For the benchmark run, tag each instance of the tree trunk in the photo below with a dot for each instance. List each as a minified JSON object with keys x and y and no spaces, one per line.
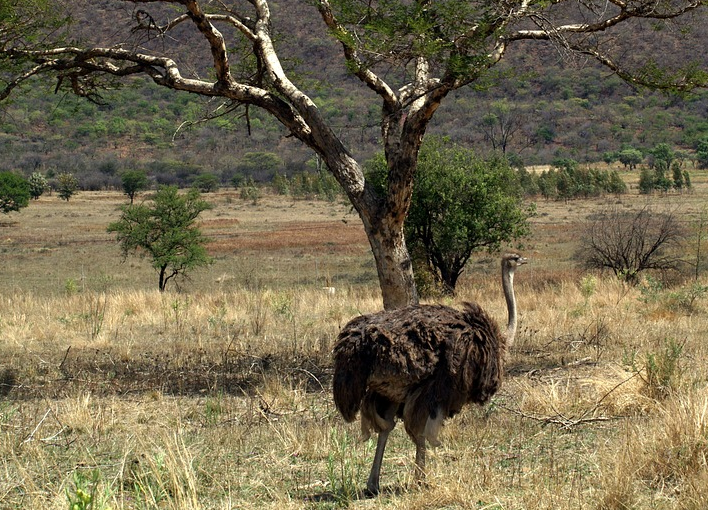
{"x":393,"y":263}
{"x":163,"y":280}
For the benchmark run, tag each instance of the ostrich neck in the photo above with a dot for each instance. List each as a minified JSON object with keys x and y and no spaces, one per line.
{"x":508,"y":286}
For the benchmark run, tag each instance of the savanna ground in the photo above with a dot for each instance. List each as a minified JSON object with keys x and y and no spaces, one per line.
{"x":216,"y":395}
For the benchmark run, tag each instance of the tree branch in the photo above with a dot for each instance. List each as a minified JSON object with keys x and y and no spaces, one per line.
{"x":360,"y":70}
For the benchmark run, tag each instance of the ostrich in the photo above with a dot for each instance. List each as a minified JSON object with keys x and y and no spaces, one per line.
{"x":420,"y":364}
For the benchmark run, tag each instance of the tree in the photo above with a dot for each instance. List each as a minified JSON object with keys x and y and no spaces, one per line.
{"x":647,"y":181}
{"x":38,"y":185}
{"x":629,"y":242}
{"x":206,"y":182}
{"x":165,"y":231}
{"x":14,"y":192}
{"x":67,"y":184}
{"x":461,"y":204}
{"x":134,"y":181}
{"x":630,"y":157}
{"x":411,"y":54}
{"x":501,"y":124}
{"x":702,"y":153}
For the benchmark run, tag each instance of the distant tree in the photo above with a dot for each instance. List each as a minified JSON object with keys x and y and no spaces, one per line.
{"x":281,"y":184}
{"x":629,"y":242}
{"x":14,"y":192}
{"x":501,"y":123}
{"x":206,"y":182}
{"x":38,"y":185}
{"x":677,"y":175}
{"x":165,"y":231}
{"x":647,"y":180}
{"x":67,"y":185}
{"x":662,"y":156}
{"x":609,"y":157}
{"x":630,"y":157}
{"x":260,"y":164}
{"x":702,"y":153}
{"x":687,"y":180}
{"x":461,"y":204}
{"x":134,"y":181}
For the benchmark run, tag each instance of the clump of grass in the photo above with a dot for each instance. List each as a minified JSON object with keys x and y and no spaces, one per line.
{"x":87,"y":492}
{"x":344,"y":471}
{"x":663,"y":370}
{"x":163,"y":476}
{"x":661,"y":459}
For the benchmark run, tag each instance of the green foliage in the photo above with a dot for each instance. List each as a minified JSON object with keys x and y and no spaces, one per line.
{"x":248,"y":190}
{"x":165,"y":231}
{"x":663,"y":370}
{"x":38,"y":185}
{"x":461,"y":204}
{"x":630,"y":157}
{"x":206,"y":182}
{"x":260,"y":163}
{"x":568,"y":180}
{"x":133,"y":181}
{"x":85,"y":495}
{"x":344,"y":470}
{"x":646,"y":181}
{"x":702,"y":153}
{"x":656,"y":176}
{"x":281,"y":184}
{"x":14,"y":192}
{"x":67,"y":185}
{"x":314,"y":185}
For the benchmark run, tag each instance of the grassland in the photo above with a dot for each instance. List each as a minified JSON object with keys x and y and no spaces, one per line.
{"x":216,"y":395}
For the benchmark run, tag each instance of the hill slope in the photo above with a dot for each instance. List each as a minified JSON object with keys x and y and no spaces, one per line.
{"x":558,"y":106}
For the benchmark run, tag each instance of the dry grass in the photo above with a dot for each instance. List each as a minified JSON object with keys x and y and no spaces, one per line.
{"x":217,"y":397}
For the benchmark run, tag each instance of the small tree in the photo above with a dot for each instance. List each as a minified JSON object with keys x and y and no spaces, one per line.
{"x":134,"y":181}
{"x":206,"y":182}
{"x":631,"y":242}
{"x":630,"y":157}
{"x":702,"y":153}
{"x":67,"y":184}
{"x":461,"y":204}
{"x":165,"y":231}
{"x":677,"y":174}
{"x":14,"y":192}
{"x":38,"y":185}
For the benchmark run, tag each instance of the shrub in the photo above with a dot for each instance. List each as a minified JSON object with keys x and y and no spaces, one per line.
{"x":629,"y":242}
{"x":67,"y":185}
{"x":38,"y":185}
{"x":14,"y":192}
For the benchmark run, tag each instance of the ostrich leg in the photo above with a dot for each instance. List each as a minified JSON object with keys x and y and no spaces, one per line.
{"x":420,"y":459}
{"x":372,"y":485}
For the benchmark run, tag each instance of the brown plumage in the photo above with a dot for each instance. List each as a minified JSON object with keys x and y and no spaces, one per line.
{"x":420,"y":364}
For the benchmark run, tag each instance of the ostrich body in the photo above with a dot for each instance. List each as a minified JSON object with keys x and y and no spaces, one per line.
{"x":420,"y":364}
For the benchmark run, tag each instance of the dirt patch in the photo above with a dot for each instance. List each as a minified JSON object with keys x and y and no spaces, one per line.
{"x":331,"y":236}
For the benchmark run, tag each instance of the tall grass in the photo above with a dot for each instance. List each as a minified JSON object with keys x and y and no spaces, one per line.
{"x":218,"y":397}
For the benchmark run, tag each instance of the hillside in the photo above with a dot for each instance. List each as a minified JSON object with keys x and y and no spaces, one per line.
{"x":560,"y":107}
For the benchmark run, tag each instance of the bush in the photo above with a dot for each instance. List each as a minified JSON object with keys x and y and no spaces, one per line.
{"x":38,"y":185}
{"x":67,"y":185}
{"x":630,"y":243}
{"x":206,"y":183}
{"x":568,"y":181}
{"x":14,"y":192}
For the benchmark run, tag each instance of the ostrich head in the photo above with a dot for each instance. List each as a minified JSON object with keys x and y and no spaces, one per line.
{"x":510,"y":262}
